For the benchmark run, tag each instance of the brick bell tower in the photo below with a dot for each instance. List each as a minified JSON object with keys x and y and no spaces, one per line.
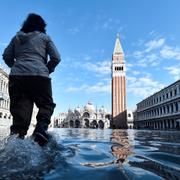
{"x":119,"y":119}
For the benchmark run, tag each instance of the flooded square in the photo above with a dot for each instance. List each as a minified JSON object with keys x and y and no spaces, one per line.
{"x":92,"y":154}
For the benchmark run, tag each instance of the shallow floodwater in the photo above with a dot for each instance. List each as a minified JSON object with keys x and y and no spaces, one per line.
{"x":93,"y":154}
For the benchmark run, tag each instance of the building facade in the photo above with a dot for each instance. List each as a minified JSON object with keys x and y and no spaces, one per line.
{"x":130,"y":119}
{"x":161,"y":110}
{"x":5,"y":116}
{"x":86,"y":117}
{"x":119,"y":113}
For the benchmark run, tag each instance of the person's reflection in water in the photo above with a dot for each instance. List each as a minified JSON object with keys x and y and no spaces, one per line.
{"x":121,"y":147}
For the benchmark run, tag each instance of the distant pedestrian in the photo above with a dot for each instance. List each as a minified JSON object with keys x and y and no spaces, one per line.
{"x":29,"y":81}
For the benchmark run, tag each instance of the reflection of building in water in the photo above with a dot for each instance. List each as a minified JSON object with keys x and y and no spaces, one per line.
{"x":121,"y":147}
{"x":161,"y":110}
{"x":87,"y":117}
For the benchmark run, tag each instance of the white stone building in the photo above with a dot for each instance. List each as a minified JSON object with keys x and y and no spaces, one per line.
{"x":130,"y":119}
{"x":161,"y":110}
{"x":5,"y":116}
{"x":86,"y":117}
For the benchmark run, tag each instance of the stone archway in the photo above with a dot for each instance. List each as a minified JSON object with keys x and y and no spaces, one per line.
{"x":108,"y":116}
{"x":86,"y":115}
{"x":94,"y":124}
{"x":86,"y":123}
{"x":71,"y":123}
{"x":56,"y":123}
{"x":77,"y":123}
{"x":101,"y":124}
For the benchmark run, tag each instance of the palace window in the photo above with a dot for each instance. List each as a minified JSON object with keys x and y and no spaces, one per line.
{"x":170,"y":93}
{"x":175,"y":92}
{"x":176,"y":106}
{"x":172,"y":109}
{"x":166,"y":95}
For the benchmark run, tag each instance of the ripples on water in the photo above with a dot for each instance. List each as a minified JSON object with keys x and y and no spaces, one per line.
{"x":92,"y":154}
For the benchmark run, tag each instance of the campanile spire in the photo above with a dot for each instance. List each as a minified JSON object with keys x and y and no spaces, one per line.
{"x":118,"y":48}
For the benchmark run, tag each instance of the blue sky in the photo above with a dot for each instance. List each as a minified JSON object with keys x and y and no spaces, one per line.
{"x":85,"y":33}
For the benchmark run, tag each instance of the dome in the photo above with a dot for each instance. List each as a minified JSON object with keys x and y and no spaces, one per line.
{"x":70,"y":111}
{"x":89,"y":107}
{"x":103,"y":109}
{"x":78,"y":109}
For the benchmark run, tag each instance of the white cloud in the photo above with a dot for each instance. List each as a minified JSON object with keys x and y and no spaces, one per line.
{"x":134,"y":72}
{"x":102,"y":67}
{"x":170,"y":52}
{"x":109,"y":24}
{"x":97,"y":88}
{"x":149,"y":60}
{"x":103,"y":22}
{"x":174,"y":70}
{"x":143,"y":86}
{"x":148,"y":57}
{"x":138,"y":54}
{"x":3,"y":44}
{"x":74,"y":30}
{"x":154,"y":44}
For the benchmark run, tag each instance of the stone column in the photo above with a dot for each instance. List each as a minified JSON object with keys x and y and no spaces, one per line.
{"x":171,"y":125}
{"x":165,"y":109}
{"x":170,"y":109}
{"x":163,"y":125}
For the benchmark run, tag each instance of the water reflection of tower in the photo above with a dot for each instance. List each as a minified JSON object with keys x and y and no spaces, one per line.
{"x":121,"y":147}
{"x":118,"y":87}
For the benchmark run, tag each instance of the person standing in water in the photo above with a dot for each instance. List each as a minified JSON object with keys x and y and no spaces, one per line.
{"x":29,"y":82}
